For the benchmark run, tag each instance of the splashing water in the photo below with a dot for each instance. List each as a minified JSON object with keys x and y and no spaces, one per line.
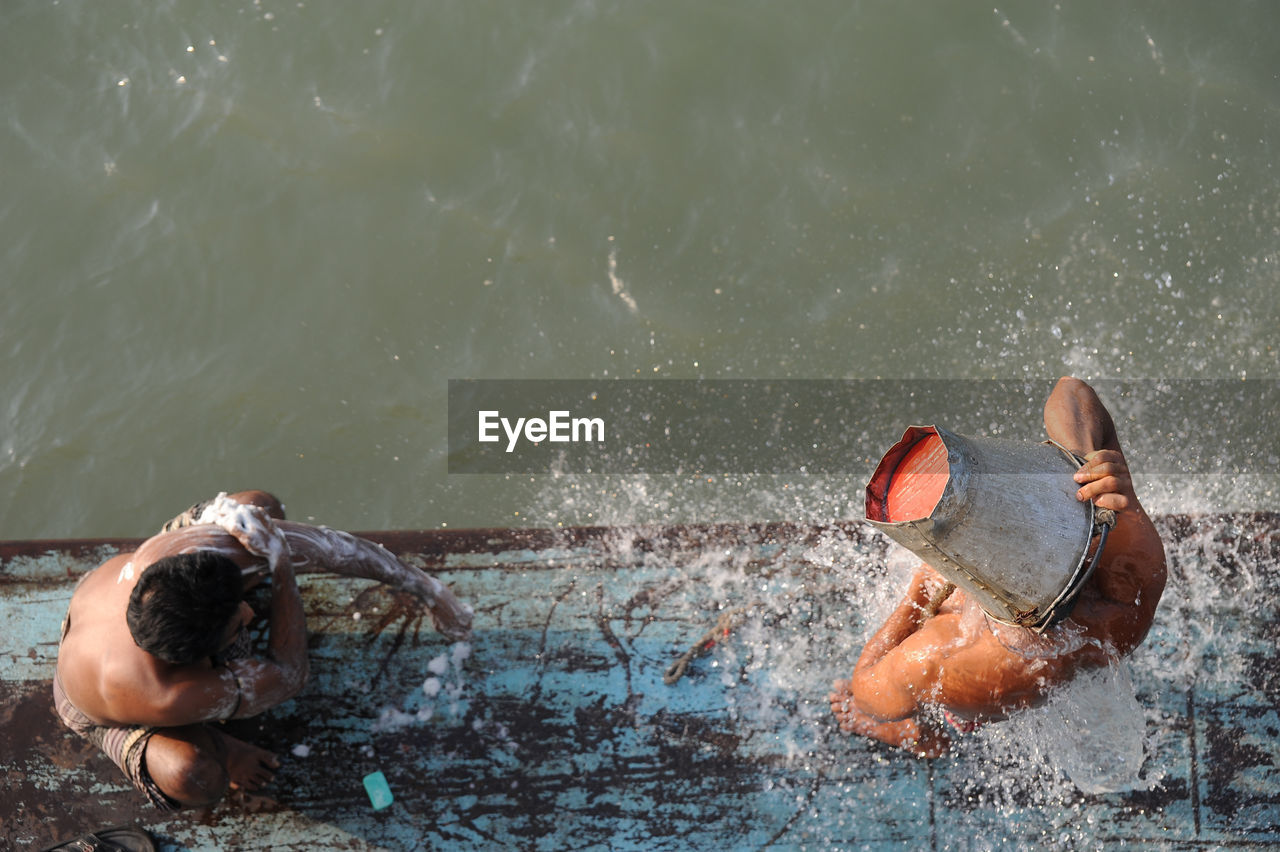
{"x":1101,"y":724}
{"x":856,"y":585}
{"x":808,"y":608}
{"x":1090,"y":731}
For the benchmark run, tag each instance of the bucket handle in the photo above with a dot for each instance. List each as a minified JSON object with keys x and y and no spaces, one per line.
{"x":1102,"y":520}
{"x":1105,"y":518}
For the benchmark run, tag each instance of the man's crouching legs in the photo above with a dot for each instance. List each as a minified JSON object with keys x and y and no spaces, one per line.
{"x":196,"y":764}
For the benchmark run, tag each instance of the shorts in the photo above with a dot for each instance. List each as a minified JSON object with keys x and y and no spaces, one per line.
{"x":126,"y":746}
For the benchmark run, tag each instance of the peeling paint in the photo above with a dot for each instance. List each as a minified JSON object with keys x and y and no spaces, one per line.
{"x":558,"y":732}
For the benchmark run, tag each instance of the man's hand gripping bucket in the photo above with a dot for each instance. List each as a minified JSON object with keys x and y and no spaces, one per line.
{"x":998,"y":518}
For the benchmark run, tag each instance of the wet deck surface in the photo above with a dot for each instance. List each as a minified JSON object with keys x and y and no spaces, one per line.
{"x":554,"y":730}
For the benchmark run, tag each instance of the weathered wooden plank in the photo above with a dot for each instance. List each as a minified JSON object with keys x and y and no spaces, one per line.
{"x":553,"y":729}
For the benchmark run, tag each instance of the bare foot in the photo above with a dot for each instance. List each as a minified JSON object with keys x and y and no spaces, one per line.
{"x":842,"y":705}
{"x":251,"y":803}
{"x":249,"y":767}
{"x":922,"y":740}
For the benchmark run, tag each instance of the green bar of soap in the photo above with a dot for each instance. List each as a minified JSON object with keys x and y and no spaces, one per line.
{"x":375,"y":784}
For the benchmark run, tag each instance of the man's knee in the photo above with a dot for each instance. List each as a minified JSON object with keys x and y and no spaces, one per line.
{"x":189,"y":769}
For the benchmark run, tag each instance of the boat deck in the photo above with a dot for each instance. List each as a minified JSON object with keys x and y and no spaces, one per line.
{"x":553,"y":728}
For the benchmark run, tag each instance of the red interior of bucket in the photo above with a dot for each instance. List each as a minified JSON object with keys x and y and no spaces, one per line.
{"x":918,"y":481}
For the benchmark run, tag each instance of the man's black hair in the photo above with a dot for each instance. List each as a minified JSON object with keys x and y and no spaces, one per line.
{"x":181,"y":606}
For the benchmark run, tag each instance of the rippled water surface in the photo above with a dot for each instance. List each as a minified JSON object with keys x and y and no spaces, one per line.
{"x":249,"y":244}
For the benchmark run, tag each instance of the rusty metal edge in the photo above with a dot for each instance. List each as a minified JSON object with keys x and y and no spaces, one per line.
{"x":438,"y":543}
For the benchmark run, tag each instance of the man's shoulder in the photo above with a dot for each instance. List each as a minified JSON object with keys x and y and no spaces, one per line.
{"x":200,"y":537}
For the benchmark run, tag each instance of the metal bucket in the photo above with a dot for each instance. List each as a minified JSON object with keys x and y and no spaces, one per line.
{"x":1004,"y":523}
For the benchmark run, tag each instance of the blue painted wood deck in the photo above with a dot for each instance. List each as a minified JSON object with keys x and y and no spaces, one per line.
{"x":553,"y":729}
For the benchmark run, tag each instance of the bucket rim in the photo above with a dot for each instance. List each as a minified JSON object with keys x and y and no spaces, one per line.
{"x":1041,"y":616}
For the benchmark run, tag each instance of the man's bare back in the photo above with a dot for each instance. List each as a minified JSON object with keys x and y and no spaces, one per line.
{"x":954,"y":658}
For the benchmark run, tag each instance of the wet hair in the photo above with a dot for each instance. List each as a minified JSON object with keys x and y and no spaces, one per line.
{"x":181,"y":606}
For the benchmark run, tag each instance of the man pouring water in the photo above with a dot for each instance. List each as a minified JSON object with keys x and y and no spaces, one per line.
{"x":1049,"y":574}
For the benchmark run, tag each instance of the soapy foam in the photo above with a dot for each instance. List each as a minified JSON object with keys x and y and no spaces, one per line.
{"x":250,"y":525}
{"x":442,"y":696}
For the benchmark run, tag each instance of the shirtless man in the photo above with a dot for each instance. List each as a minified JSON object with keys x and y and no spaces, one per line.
{"x":959,"y":661}
{"x":154,"y":650}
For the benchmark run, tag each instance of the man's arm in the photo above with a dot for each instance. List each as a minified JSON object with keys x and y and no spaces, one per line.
{"x":317,"y":549}
{"x":1075,"y":418}
{"x":1132,"y":574}
{"x":920,"y":737}
{"x":265,"y":683}
{"x":882,"y":686}
{"x":249,"y":686}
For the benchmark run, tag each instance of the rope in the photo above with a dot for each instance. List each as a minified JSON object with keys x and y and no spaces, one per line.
{"x":931,"y":608}
{"x":725,"y":624}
